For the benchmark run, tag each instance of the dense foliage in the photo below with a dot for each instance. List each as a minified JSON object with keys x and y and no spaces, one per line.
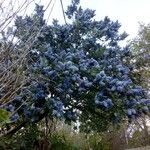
{"x":140,"y":46}
{"x":62,"y":139}
{"x":75,"y":71}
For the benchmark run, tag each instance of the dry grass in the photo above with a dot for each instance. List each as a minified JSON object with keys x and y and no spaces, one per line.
{"x":140,"y":148}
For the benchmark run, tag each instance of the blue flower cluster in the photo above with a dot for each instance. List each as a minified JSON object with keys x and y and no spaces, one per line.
{"x":15,"y":116}
{"x":57,"y":107}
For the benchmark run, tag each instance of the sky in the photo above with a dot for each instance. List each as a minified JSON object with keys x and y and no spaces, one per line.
{"x":128,"y":12}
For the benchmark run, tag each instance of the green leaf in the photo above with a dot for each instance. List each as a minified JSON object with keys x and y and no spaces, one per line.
{"x":94,"y":71}
{"x":4,"y":116}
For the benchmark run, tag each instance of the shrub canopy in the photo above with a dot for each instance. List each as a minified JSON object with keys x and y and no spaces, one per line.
{"x":75,"y":71}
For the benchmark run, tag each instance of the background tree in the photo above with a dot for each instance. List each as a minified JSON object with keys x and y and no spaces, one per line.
{"x":140,"y":47}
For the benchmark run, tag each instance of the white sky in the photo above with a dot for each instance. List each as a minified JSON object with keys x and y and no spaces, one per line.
{"x":127,"y":12}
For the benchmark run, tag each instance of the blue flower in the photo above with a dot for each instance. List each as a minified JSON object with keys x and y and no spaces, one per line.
{"x":14,"y":117}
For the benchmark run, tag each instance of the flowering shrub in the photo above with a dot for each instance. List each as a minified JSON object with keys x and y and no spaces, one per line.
{"x":76,"y":71}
